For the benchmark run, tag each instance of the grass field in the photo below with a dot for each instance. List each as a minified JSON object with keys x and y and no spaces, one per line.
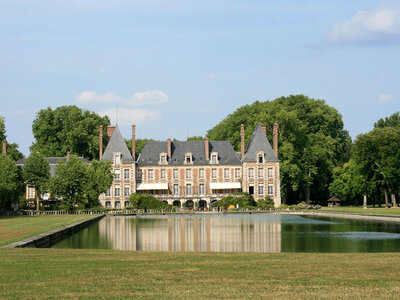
{"x":360,"y":210}
{"x":13,"y":229}
{"x":100,"y":274}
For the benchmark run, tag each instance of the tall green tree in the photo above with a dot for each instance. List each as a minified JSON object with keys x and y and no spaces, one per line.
{"x":37,"y":173}
{"x":68,"y":128}
{"x":99,"y":179}
{"x":139,"y":144}
{"x":70,"y":183}
{"x":10,"y":183}
{"x":12,"y":148}
{"x":312,"y":141}
{"x":2,"y":129}
{"x":392,"y":121}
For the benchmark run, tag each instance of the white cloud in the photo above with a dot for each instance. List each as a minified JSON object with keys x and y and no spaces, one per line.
{"x":100,"y":72}
{"x":213,"y":77}
{"x":148,"y":98}
{"x":385,"y":98}
{"x":129,"y":116}
{"x":93,"y":97}
{"x":381,"y":26}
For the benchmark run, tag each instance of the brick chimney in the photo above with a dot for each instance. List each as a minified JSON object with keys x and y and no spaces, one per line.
{"x":207,"y":148}
{"x":110,"y":130}
{"x":101,"y":142}
{"x":242,"y":140}
{"x":68,"y":155}
{"x":264,"y":128}
{"x":169,"y":151}
{"x":275,"y":138}
{"x":134,"y":141}
{"x":4,"y":147}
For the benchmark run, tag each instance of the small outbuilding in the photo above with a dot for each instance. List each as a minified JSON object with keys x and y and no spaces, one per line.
{"x":334,"y":202}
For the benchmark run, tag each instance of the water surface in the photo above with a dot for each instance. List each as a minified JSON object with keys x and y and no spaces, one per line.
{"x":237,"y":233}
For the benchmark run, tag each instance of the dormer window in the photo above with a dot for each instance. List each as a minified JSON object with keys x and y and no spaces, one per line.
{"x":260,"y":157}
{"x":117,"y":159}
{"x":188,"y":158}
{"x":163,"y":159}
{"x":214,"y":158}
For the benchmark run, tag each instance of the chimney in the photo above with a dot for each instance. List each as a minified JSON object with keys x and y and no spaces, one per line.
{"x":68,"y":155}
{"x":275,"y":138}
{"x":4,"y":147}
{"x":169,"y":148}
{"x":242,"y":140}
{"x":110,"y":130}
{"x":264,"y":128}
{"x":207,"y":148}
{"x":134,"y":141}
{"x":101,"y":142}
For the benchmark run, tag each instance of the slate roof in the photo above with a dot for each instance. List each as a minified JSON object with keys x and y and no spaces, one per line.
{"x":53,"y":162}
{"x":150,"y":155}
{"x":259,"y":142}
{"x":117,"y":144}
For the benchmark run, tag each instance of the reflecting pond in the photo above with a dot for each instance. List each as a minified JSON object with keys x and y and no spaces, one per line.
{"x":237,"y":233}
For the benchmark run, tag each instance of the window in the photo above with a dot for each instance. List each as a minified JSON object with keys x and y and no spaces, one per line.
{"x":188,"y":158}
{"x":237,"y":173}
{"x":201,"y":173}
{"x":150,"y":174}
{"x":163,"y":174}
{"x":163,"y":158}
{"x":108,"y":192}
{"x":126,"y":192}
{"x":117,"y":159}
{"x":188,"y":173}
{"x":270,"y":190}
{"x":176,"y":189}
{"x":188,"y":189}
{"x":214,"y":157}
{"x":126,"y":174}
{"x":127,"y":203}
{"x":117,"y":174}
{"x":117,"y":192}
{"x":117,"y":204}
{"x":226,"y":173}
{"x":260,"y":172}
{"x":214,"y":173}
{"x":108,"y":204}
{"x":251,"y":172}
{"x":202,"y":189}
{"x":175,"y":173}
{"x":270,"y":172}
{"x":261,"y":190}
{"x":31,"y":193}
{"x":260,"y":158}
{"x":140,"y":174}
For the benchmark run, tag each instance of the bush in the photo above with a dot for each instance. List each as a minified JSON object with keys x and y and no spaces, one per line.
{"x":267,"y":202}
{"x":241,"y":198}
{"x":284,"y":206}
{"x":147,"y":201}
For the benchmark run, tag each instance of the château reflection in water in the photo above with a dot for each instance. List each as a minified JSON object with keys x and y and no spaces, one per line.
{"x":191,"y":233}
{"x":236,"y":233}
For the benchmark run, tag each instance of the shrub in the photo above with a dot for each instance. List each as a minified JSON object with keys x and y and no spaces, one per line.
{"x":241,"y":198}
{"x":147,"y":201}
{"x":267,"y":202}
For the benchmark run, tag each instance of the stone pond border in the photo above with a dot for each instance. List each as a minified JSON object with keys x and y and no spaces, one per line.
{"x":47,"y":239}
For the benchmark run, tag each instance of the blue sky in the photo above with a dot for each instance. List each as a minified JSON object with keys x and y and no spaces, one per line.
{"x":179,"y":67}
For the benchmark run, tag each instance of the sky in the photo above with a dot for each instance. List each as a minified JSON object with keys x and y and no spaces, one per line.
{"x":177,"y":68}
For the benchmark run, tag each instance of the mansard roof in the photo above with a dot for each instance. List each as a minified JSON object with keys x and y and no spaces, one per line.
{"x":115,"y":145}
{"x":259,"y":142}
{"x":150,"y":155}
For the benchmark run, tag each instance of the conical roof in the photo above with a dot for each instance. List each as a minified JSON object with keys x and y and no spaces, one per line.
{"x":259,"y":142}
{"x":117,"y":145}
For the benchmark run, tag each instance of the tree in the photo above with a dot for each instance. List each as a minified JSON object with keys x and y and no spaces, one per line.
{"x":99,"y":179}
{"x":70,"y":183}
{"x":195,"y":138}
{"x":37,"y":173}
{"x":10,"y":183}
{"x":68,"y":128}
{"x":377,"y":153}
{"x":392,"y":121}
{"x":12,"y":148}
{"x":139,"y":144}
{"x":2,"y":129}
{"x":312,"y":142}
{"x":147,"y":201}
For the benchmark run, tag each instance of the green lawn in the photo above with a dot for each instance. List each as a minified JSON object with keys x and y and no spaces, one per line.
{"x":360,"y":210}
{"x":105,"y":274}
{"x":13,"y":229}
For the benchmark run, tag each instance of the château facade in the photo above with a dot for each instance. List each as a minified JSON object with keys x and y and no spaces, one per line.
{"x":192,"y":173}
